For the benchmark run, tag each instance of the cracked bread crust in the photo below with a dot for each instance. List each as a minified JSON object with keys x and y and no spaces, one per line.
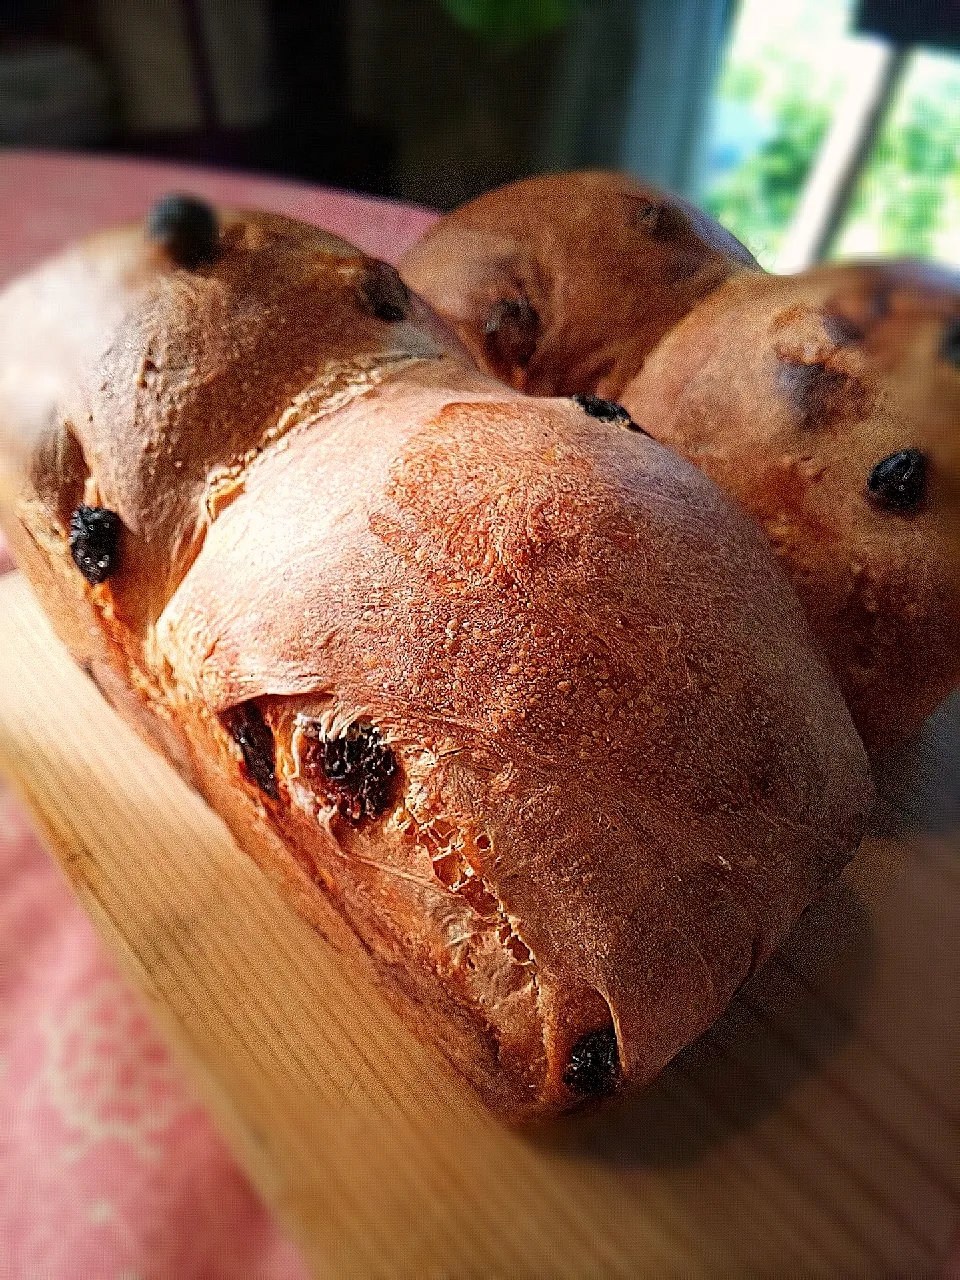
{"x":613,"y":767}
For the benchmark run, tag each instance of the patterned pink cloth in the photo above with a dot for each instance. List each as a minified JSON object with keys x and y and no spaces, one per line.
{"x":108,"y":1168}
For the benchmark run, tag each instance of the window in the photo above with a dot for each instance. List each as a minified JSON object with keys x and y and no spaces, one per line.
{"x":796,"y":87}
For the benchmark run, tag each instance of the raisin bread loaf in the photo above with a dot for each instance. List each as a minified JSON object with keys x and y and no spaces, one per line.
{"x":515,"y":687}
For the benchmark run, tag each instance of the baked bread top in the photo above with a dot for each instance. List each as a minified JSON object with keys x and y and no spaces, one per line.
{"x":828,"y":404}
{"x":565,"y":283}
{"x":514,"y":687}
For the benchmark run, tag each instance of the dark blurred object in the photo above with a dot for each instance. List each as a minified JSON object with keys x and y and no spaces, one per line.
{"x":475,"y":99}
{"x":53,"y":88}
{"x":258,"y":84}
{"x":316,"y":134}
{"x":52,"y":95}
{"x":927,"y":22}
{"x":510,"y":22}
{"x":193,"y":77}
{"x":465,"y":112}
{"x":22,"y":16}
{"x":433,"y":101}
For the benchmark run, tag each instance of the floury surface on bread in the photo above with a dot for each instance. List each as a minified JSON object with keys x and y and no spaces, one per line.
{"x":827,"y":403}
{"x":514,"y":687}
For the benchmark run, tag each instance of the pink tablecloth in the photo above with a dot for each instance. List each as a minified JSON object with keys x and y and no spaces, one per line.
{"x":108,"y":1168}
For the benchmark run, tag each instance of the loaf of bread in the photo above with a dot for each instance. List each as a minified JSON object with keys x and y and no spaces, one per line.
{"x":565,"y":283}
{"x":514,"y":687}
{"x":827,"y":403}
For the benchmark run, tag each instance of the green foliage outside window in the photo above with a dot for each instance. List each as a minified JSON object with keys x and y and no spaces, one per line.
{"x":908,"y":201}
{"x":509,"y":22}
{"x":788,"y":64}
{"x":758,"y":199}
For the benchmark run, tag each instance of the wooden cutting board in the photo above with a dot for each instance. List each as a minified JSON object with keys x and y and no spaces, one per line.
{"x":815,"y":1131}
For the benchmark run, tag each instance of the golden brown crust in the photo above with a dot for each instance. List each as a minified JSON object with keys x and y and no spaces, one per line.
{"x":788,"y":391}
{"x":133,"y":339}
{"x":564,"y":283}
{"x":612,"y":767}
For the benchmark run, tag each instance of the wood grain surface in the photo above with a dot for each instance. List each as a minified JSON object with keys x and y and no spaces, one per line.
{"x":814,"y":1131}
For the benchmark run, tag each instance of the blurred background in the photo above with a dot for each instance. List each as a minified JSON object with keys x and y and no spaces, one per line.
{"x":812,"y":128}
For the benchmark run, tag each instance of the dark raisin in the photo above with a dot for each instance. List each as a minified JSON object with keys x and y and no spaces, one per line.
{"x":511,"y":332}
{"x":358,"y":770}
{"x":899,"y":482}
{"x":186,"y":228}
{"x":950,"y":346}
{"x":94,"y":542}
{"x":594,"y":1067}
{"x":606,"y":411}
{"x":384,"y":293}
{"x":254,"y":737}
